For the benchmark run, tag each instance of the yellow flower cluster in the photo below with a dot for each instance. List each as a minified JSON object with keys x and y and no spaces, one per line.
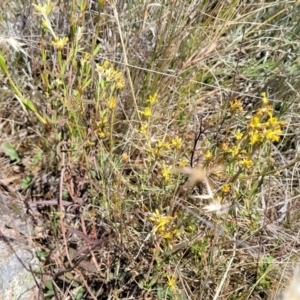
{"x":44,"y":10}
{"x":161,"y":224}
{"x":111,"y":102}
{"x":235,"y":106}
{"x":144,"y":129}
{"x":152,"y":99}
{"x":166,"y":172}
{"x":172,"y":282}
{"x":208,"y":155}
{"x":177,"y":142}
{"x":109,"y":74}
{"x":246,"y":162}
{"x":102,"y":128}
{"x":263,"y":126}
{"x":147,"y":112}
{"x":161,"y":146}
{"x":84,"y":59}
{"x":183,"y":163}
{"x":226,"y":188}
{"x":60,"y":43}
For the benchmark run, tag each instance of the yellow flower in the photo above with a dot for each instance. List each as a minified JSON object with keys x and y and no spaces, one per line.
{"x":226,"y":188}
{"x":169,"y":234}
{"x":84,"y":59}
{"x":235,"y":105}
{"x":265,"y":100}
{"x":182,"y":163}
{"x":111,"y":103}
{"x":255,"y":123}
{"x":163,"y":145}
{"x":101,"y":134}
{"x":125,"y":157}
{"x":264,"y":110}
{"x":238,"y":134}
{"x":120,"y":83}
{"x":177,"y":142}
{"x":102,"y":123}
{"x":247,"y":163}
{"x":172,"y":282}
{"x":146,"y":112}
{"x":234,"y":150}
{"x":166,"y":172}
{"x":86,"y":56}
{"x":208,"y":155}
{"x":161,"y":221}
{"x":144,"y":129}
{"x":60,"y":43}
{"x":225,"y":147}
{"x":109,"y":74}
{"x":273,"y":122}
{"x":255,"y":137}
{"x":44,"y":9}
{"x":273,"y":134}
{"x":101,"y":68}
{"x":156,"y":151}
{"x":152,"y":99}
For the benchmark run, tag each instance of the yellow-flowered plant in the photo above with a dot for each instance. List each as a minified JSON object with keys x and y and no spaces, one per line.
{"x":144,"y":128}
{"x":110,"y":75}
{"x":147,"y":111}
{"x":183,"y":163}
{"x":152,"y":99}
{"x":60,"y":43}
{"x":166,"y":172}
{"x":226,"y":188}
{"x":172,"y":282}
{"x":177,"y":143}
{"x":161,"y":222}
{"x":44,"y":10}
{"x":208,"y":155}
{"x":235,"y":105}
{"x":243,"y":149}
{"x":112,"y":102}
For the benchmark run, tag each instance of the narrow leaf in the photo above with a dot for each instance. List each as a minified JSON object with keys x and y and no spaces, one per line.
{"x":11,"y":152}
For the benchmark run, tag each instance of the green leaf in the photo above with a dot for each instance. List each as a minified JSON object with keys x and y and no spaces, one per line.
{"x":42,"y":255}
{"x":30,"y":105}
{"x":25,"y":183}
{"x":49,"y":284}
{"x":96,"y":50}
{"x":37,"y":157}
{"x":11,"y":152}
{"x":2,"y":63}
{"x":79,"y":293}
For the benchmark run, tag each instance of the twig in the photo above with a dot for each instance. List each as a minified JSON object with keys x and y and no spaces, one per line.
{"x":61,"y":206}
{"x":85,"y":284}
{"x":196,"y":140}
{"x":125,"y":58}
{"x":226,"y":272}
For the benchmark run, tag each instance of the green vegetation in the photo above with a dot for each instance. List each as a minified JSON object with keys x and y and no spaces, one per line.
{"x":156,"y":145}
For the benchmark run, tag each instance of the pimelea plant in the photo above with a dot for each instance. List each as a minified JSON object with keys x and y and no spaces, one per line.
{"x":157,"y":182}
